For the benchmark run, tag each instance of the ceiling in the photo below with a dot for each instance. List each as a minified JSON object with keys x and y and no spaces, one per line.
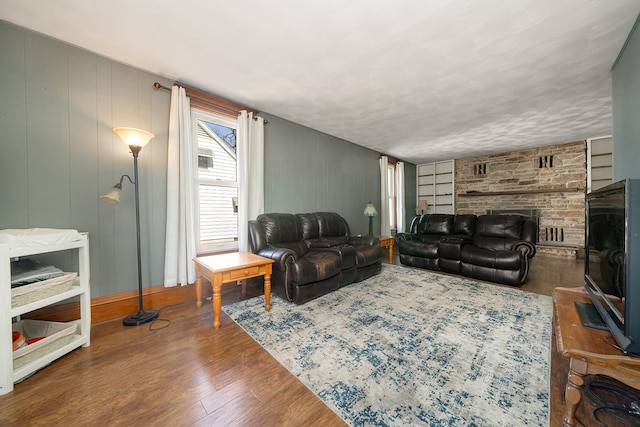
{"x":418,"y":80}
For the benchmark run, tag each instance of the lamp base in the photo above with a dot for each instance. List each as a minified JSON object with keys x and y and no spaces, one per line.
{"x":141,"y":317}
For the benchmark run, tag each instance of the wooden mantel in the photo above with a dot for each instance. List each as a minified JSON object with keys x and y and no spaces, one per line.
{"x":520,"y":192}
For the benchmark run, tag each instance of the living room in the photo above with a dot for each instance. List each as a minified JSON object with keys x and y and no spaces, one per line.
{"x":60,"y":103}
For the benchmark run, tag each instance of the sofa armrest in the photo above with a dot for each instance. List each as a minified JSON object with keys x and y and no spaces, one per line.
{"x":406,"y":236}
{"x":281,"y":256}
{"x":365,"y":240}
{"x":528,"y":249}
{"x":450,"y":248}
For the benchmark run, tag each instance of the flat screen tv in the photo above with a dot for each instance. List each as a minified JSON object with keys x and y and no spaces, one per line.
{"x":612,"y":260}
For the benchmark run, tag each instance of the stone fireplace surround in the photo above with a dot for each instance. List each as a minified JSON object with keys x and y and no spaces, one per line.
{"x":548,"y":182}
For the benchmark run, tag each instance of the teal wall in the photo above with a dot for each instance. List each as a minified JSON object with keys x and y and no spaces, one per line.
{"x":626,"y":109}
{"x":58,"y":154}
{"x":308,"y":171}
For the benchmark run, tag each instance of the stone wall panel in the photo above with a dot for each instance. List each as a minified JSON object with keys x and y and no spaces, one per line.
{"x":564,"y":166}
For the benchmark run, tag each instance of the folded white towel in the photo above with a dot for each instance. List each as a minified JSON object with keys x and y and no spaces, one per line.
{"x":30,"y":237}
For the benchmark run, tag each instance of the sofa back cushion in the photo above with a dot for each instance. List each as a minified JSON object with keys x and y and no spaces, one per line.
{"x":464,"y":225}
{"x":503,"y":226}
{"x":435,"y":224}
{"x":310,"y":226}
{"x":283,"y":231}
{"x":498,"y":232}
{"x":332,"y":224}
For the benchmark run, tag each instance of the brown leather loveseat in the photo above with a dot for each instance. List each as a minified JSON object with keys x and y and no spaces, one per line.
{"x":314,"y":253}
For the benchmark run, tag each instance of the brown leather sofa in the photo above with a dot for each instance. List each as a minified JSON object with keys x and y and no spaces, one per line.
{"x":314,"y":253}
{"x":495,"y":248}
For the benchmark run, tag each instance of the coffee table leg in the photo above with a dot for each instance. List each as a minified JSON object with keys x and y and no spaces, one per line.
{"x":391,"y":252}
{"x":216,"y":284}
{"x":267,"y":292}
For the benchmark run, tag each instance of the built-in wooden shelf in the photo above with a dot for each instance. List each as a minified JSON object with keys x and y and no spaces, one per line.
{"x":519,"y":192}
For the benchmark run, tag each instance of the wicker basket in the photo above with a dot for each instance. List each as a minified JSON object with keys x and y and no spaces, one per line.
{"x":33,"y":292}
{"x":56,"y":334}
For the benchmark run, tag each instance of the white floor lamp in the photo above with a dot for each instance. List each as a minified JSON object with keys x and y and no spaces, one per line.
{"x":135,"y":139}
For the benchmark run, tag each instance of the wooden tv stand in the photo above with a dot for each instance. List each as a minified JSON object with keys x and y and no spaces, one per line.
{"x":587,"y":351}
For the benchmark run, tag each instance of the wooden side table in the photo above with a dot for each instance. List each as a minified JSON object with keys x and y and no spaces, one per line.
{"x":587,"y":351}
{"x":387,"y":242}
{"x":231,"y":267}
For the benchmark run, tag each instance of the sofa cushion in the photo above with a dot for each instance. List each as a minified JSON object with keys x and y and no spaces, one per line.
{"x":450,"y":248}
{"x":464,"y":225}
{"x":280,"y":228}
{"x":418,"y":249}
{"x":316,"y":266}
{"x":331,"y":225}
{"x":328,"y":242}
{"x":310,"y":227}
{"x":435,"y":224}
{"x":500,"y":226}
{"x":501,"y":260}
{"x":494,"y":243}
{"x":368,"y":255}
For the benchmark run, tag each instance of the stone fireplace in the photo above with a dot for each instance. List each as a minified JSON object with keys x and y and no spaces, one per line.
{"x":547,"y":183}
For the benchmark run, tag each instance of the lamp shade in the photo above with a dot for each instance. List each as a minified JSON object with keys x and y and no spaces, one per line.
{"x":370,"y":210}
{"x":133,"y":136}
{"x":422,"y":205}
{"x":113,"y":195}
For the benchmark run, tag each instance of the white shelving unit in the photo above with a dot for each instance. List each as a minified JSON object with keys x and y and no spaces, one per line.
{"x":9,"y":375}
{"x":436,"y":186}
{"x":599,"y":163}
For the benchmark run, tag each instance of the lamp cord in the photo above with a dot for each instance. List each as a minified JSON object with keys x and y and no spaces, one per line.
{"x":167,"y":323}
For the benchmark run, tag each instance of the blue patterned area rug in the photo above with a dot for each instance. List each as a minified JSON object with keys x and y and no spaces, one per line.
{"x":410,"y":347}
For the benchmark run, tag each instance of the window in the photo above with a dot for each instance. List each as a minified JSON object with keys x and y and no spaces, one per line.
{"x":205,"y":158}
{"x":391,"y":192}
{"x":216,"y":182}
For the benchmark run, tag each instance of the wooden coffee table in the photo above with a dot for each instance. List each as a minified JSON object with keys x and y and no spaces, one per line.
{"x":387,"y":242}
{"x":231,"y":267}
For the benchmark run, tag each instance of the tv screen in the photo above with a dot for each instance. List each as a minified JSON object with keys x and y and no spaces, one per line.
{"x":612,"y":259}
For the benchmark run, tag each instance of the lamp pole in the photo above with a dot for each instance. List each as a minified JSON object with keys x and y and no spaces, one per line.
{"x":141,"y":316}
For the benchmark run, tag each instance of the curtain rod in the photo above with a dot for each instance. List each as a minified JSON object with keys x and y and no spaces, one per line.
{"x":157,"y":85}
{"x":391,"y":159}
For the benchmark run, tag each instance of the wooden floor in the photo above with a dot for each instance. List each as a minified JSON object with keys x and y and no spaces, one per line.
{"x":183,"y":373}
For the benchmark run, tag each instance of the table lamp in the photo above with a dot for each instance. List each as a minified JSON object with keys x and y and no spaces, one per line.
{"x":370,"y":211}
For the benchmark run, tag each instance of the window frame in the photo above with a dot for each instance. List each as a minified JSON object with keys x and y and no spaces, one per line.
{"x":392,"y":198}
{"x":223,"y":120}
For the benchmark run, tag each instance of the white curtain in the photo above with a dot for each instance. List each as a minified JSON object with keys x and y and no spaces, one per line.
{"x":250,"y":141}
{"x":385,"y":228}
{"x":180,"y":246}
{"x":400,"y":212}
